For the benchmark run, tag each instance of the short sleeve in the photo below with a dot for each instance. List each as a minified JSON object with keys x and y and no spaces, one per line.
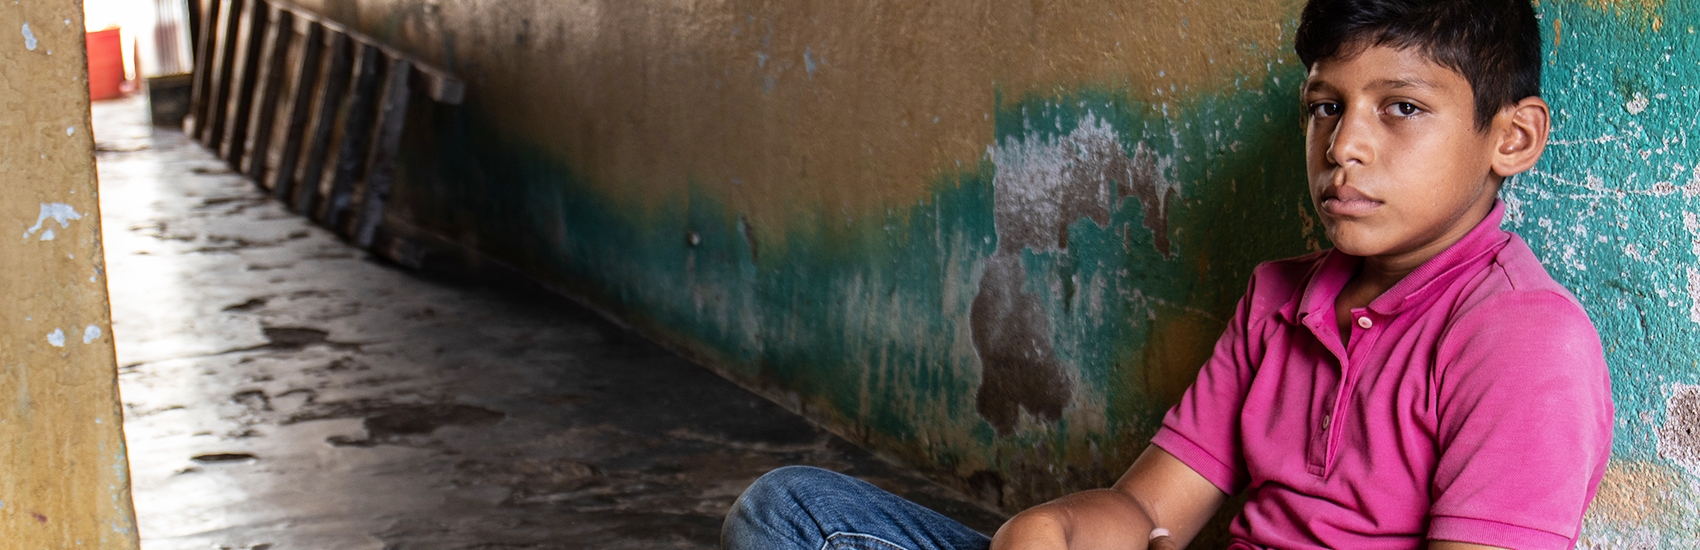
{"x":1524,"y":422}
{"x":1203,"y":429}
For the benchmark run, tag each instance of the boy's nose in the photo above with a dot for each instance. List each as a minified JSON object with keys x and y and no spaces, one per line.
{"x":1352,"y":140}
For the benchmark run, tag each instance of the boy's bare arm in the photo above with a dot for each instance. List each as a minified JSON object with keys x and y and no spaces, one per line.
{"x":1452,"y":545}
{"x":1157,"y":491}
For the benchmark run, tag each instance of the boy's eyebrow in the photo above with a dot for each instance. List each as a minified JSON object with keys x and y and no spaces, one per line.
{"x":1382,"y":84}
{"x":1403,"y":83}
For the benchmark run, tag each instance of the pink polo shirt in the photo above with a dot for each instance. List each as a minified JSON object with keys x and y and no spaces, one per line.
{"x":1470,"y":403}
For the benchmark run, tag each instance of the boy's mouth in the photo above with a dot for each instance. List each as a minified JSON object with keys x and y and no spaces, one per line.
{"x":1347,"y":202}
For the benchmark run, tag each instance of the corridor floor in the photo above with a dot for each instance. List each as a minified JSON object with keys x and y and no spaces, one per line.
{"x":283,"y":390}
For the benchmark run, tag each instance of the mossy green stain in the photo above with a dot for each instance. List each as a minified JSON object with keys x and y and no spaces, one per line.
{"x":851,"y":318}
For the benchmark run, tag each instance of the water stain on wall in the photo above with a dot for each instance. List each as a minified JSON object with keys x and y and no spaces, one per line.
{"x":1043,"y":185}
{"x":1634,"y":493}
{"x":1679,"y":438}
{"x":850,"y":140}
{"x":844,"y":107}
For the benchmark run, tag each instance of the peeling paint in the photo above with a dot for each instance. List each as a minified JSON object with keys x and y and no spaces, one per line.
{"x":56,"y":211}
{"x":1011,"y":294}
{"x":1679,"y":438}
{"x":29,"y":38}
{"x":1043,"y":184}
{"x":56,"y":338}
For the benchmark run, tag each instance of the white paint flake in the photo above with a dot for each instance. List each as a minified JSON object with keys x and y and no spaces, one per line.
{"x":57,"y":338}
{"x":1691,"y":223}
{"x":70,"y":130}
{"x":1045,"y":182}
{"x":1637,"y":104}
{"x":47,"y":235}
{"x":56,"y":211}
{"x":29,"y":38}
{"x":90,"y":334}
{"x":1694,"y":295}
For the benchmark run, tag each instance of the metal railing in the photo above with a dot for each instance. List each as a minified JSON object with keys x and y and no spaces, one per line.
{"x":308,"y":109}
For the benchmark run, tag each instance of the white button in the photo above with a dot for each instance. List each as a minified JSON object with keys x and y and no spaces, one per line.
{"x":1326,"y":420}
{"x":1365,"y":323}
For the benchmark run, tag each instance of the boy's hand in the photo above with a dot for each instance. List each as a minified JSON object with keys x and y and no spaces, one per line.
{"x":1160,"y":540}
{"x":1157,"y":490}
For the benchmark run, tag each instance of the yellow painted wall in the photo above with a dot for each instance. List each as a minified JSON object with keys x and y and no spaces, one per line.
{"x":66,"y":481}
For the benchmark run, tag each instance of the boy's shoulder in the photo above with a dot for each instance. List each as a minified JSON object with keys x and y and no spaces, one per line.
{"x":1277,"y":284}
{"x":1516,"y":282}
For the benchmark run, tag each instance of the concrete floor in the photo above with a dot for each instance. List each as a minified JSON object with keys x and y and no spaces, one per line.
{"x":283,"y":390}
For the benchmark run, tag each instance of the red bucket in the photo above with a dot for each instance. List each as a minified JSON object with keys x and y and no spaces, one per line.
{"x":106,"y":64}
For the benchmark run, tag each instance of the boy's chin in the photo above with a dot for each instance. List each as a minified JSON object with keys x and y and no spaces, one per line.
{"x":1354,"y":244}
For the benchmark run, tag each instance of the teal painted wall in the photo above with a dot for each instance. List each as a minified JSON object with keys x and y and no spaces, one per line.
{"x":1611,"y":213}
{"x":994,"y":240}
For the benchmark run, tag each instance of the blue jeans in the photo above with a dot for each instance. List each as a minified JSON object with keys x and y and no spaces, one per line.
{"x":804,"y":508}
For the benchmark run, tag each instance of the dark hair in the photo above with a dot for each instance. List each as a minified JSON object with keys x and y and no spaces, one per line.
{"x":1494,"y":44}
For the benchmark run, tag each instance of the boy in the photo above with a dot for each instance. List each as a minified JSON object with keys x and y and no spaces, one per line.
{"x":1424,"y":383}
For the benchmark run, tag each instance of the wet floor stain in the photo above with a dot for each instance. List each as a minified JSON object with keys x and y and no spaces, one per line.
{"x":293,"y":337}
{"x":424,"y":419}
{"x":330,"y":401}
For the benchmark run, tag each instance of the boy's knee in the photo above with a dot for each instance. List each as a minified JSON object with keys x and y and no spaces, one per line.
{"x":784,"y":487}
{"x":774,"y":511}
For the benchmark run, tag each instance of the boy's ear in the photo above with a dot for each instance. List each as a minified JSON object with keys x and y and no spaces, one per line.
{"x":1522,"y":131}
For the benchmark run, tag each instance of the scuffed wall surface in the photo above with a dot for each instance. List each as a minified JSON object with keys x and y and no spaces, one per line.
{"x":995,"y":239}
{"x":1611,"y":211}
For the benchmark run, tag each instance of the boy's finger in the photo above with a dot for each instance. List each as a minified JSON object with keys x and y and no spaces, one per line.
{"x":1160,"y":540}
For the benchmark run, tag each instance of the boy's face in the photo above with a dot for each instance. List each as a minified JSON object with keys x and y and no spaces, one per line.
{"x":1398,"y":169}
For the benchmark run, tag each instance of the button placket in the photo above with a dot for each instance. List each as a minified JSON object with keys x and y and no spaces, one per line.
{"x":1356,"y":350}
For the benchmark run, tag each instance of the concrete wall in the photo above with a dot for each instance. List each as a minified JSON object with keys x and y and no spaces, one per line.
{"x":64,"y":475}
{"x":995,"y":239}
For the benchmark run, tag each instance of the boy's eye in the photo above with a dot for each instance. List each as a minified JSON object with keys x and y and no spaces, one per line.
{"x":1324,"y":109}
{"x":1405,"y":109}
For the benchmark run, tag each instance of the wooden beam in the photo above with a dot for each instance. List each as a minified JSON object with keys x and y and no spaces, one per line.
{"x":356,"y":135}
{"x":306,"y":58}
{"x":224,"y":58}
{"x":436,"y":83}
{"x":255,"y":16}
{"x":274,"y":56}
{"x":392,"y":117}
{"x":201,"y":89}
{"x":333,"y":85}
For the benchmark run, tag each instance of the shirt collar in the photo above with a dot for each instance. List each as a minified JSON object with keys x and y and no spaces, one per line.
{"x":1336,"y":268}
